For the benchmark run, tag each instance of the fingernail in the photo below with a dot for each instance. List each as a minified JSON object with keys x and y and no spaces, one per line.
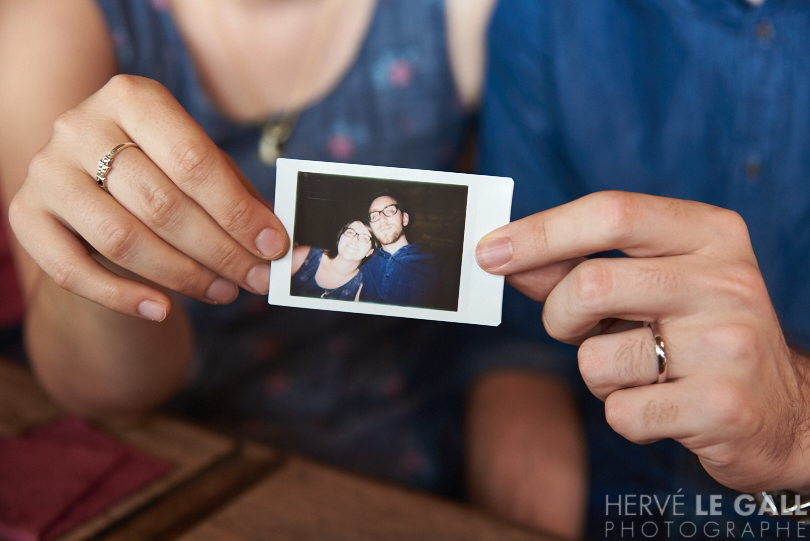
{"x":221,"y":291}
{"x":491,"y":254}
{"x":151,"y":310}
{"x":259,"y":278}
{"x":269,"y":242}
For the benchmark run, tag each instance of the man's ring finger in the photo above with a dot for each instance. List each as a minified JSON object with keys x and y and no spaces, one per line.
{"x":661,"y":354}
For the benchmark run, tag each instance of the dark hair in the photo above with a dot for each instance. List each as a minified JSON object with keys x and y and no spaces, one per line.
{"x":374,"y":242}
{"x":402,"y":203}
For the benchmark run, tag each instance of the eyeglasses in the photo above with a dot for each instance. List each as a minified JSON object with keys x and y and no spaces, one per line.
{"x":389,"y":211}
{"x":350,"y":233}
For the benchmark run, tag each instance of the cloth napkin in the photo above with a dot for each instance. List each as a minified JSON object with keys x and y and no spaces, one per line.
{"x":56,"y":477}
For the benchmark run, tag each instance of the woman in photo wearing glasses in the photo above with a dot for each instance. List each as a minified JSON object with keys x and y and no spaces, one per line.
{"x":334,"y":277}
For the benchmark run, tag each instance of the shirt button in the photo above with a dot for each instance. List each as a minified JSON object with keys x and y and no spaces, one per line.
{"x":753,"y":169}
{"x":764,"y":31}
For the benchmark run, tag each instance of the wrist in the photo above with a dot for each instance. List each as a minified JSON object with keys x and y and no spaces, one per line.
{"x":785,"y":504}
{"x":800,"y":480}
{"x":789,"y":488}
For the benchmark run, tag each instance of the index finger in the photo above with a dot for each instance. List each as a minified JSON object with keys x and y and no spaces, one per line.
{"x":185,"y":153}
{"x":639,"y":225}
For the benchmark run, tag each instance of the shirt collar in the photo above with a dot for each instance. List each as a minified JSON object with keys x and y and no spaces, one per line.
{"x":730,"y":11}
{"x":408,"y":249}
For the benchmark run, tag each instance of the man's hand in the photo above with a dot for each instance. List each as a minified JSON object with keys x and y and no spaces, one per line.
{"x":736,"y":395}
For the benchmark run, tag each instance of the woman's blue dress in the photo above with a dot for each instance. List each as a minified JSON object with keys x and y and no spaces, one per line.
{"x":303,"y":282}
{"x":380,"y":395}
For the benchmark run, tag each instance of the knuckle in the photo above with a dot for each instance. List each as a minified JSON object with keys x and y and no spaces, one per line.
{"x":162,"y":206}
{"x":194,"y":161}
{"x":618,"y":415}
{"x":591,"y":363}
{"x":592,"y":282}
{"x":40,"y":165}
{"x":126,"y":88}
{"x":622,"y":368}
{"x":659,"y":413}
{"x":729,"y":406}
{"x":732,"y":236}
{"x":21,"y":213}
{"x":661,"y":277}
{"x":117,"y":240}
{"x":736,"y":342}
{"x":112,"y":295}
{"x":549,"y":321}
{"x":226,"y":258}
{"x":618,"y":213}
{"x":186,"y":280}
{"x":629,"y":365}
{"x":69,"y":125}
{"x":17,"y":210}
{"x":65,"y":274}
{"x":125,"y":85}
{"x":744,"y":282}
{"x":555,"y":318}
{"x":733,"y":225}
{"x":238,"y":217}
{"x":537,"y":236}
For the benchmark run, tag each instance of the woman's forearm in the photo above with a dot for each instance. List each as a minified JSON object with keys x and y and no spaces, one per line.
{"x":99,"y":363}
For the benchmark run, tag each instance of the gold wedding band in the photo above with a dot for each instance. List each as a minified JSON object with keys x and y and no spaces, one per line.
{"x":661,"y":354}
{"x":105,"y":164}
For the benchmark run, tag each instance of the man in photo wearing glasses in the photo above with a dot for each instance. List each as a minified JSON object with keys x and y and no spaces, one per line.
{"x":399,"y":272}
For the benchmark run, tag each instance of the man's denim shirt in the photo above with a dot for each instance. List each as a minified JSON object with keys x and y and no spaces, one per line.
{"x":705,"y":100}
{"x":409,"y":277}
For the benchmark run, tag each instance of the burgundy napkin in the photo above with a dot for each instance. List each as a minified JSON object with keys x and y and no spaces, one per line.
{"x":36,"y":487}
{"x":58,"y":476}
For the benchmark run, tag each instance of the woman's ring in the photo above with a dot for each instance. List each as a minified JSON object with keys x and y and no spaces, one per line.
{"x":661,"y":354}
{"x":106,"y":163}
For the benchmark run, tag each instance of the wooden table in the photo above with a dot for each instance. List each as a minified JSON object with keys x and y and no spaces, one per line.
{"x":224,"y":489}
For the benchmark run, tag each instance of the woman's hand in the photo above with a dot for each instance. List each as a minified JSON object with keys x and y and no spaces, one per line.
{"x":178,"y":214}
{"x":736,"y":395}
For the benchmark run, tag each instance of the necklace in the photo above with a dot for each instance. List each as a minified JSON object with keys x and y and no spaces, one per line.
{"x":332,"y":275}
{"x":274,"y":136}
{"x":277,"y":129}
{"x":276,"y":133}
{"x":326,"y":292}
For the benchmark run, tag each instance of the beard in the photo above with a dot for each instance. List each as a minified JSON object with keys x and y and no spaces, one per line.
{"x":389,"y":235}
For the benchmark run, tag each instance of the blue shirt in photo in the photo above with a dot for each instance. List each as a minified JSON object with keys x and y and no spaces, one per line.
{"x":409,"y":277}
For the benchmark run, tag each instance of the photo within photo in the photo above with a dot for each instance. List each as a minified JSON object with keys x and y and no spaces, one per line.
{"x":380,"y":241}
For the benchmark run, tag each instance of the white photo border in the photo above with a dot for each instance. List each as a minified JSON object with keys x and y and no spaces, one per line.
{"x":489,"y":201}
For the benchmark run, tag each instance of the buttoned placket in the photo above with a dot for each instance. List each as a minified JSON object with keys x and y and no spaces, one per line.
{"x":761,"y":72}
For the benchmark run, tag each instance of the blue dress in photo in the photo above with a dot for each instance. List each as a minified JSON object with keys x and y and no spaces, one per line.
{"x":303,"y":282}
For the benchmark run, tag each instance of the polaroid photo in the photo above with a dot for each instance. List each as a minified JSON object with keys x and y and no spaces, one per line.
{"x":388,"y":241}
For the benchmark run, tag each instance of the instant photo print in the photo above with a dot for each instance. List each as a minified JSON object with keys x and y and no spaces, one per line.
{"x":388,"y":241}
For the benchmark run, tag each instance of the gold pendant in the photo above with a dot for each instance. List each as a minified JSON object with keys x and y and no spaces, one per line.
{"x":274,"y":136}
